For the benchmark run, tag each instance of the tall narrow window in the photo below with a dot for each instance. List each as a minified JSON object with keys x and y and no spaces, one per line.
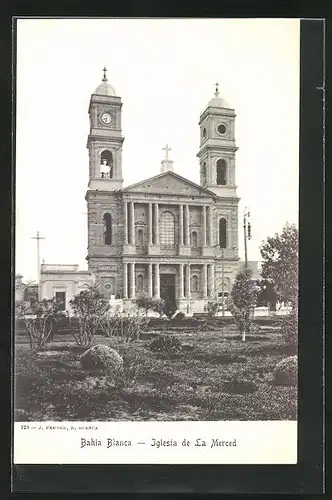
{"x":107,"y":219}
{"x":221,"y":172}
{"x":106,"y":164}
{"x":140,"y":282}
{"x":193,"y":242}
{"x":194,"y":283}
{"x":140,"y":237}
{"x":222,"y":233}
{"x":167,"y":229}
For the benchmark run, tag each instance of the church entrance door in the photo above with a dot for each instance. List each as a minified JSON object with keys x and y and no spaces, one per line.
{"x":167,"y":292}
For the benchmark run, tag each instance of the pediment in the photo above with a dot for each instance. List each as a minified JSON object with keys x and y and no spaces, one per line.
{"x":169,"y":183}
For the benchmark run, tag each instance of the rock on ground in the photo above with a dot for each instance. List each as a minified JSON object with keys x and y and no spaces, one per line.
{"x":101,"y":358}
{"x":285,"y":372}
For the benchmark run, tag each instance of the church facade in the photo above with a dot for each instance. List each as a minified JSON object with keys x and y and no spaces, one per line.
{"x":165,"y":236}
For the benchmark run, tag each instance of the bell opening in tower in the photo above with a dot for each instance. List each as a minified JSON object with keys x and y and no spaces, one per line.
{"x":106,"y":164}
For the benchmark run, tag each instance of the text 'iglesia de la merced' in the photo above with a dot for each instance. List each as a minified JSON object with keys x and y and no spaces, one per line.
{"x":165,"y":236}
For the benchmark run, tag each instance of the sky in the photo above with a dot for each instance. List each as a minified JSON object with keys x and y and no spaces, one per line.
{"x":165,"y":71}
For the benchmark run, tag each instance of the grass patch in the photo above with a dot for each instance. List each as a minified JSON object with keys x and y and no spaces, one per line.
{"x":218,"y":378}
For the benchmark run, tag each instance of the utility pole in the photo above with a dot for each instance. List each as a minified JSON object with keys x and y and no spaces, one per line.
{"x":38,"y":238}
{"x":247,"y":235}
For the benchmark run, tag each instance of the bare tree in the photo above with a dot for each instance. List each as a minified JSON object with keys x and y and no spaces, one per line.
{"x":88,"y":307}
{"x":40,"y":323}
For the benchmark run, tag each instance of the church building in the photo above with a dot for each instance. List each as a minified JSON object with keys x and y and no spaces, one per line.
{"x":165,"y":236}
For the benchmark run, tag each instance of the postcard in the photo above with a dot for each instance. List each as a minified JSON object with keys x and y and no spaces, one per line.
{"x":156,"y":273}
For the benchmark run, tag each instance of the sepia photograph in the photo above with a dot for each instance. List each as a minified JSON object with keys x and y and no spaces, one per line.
{"x":156,"y":259}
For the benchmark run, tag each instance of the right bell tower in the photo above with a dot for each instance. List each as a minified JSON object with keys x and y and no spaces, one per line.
{"x":217,"y":147}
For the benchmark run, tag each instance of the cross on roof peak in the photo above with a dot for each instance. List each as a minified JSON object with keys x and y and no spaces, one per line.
{"x":166,"y":149}
{"x":104,"y":74}
{"x":217,"y":90}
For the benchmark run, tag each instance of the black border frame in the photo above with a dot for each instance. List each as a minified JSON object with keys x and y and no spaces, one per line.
{"x":305,"y":477}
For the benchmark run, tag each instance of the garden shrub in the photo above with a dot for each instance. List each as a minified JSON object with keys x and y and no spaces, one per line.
{"x":211,"y":307}
{"x":147,"y":303}
{"x":134,"y":366}
{"x":165,"y":344}
{"x":126,"y":328}
{"x":101,"y":358}
{"x":285,"y":372}
{"x":289,"y":327}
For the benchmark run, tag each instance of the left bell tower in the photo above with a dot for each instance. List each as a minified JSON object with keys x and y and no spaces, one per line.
{"x":105,"y":139}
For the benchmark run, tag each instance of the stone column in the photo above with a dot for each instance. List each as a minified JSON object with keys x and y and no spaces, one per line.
{"x":187,"y":242}
{"x":188,"y":281}
{"x":150,"y":293}
{"x":156,"y":223}
{"x":132,"y":280}
{"x":204,"y":225}
{"x":150,"y":226}
{"x":132,"y":220}
{"x":125,"y":223}
{"x":181,"y":273}
{"x":181,"y":225}
{"x":125,"y":281}
{"x":210,"y":227}
{"x":157,"y":281}
{"x":209,"y":169}
{"x":205,"y":281}
{"x":212,"y":287}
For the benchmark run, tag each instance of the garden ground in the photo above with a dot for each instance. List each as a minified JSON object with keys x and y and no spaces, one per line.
{"x":214,"y":376}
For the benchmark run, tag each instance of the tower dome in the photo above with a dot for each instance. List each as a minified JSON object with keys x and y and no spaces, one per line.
{"x":105,"y":88}
{"x":217,"y":101}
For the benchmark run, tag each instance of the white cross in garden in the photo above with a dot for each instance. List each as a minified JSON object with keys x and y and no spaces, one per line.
{"x":166,"y":149}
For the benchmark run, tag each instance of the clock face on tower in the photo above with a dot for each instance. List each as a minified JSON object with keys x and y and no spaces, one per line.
{"x":106,"y":118}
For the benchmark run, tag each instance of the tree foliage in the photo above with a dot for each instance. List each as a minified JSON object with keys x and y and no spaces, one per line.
{"x":280,"y":262}
{"x":88,"y":307}
{"x":267,"y":294}
{"x":40,"y":319}
{"x":243,"y":298}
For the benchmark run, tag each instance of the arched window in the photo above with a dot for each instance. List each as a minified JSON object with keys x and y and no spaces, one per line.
{"x":221,"y":172}
{"x":222,"y":233}
{"x":204,"y":173}
{"x":107,"y":219}
{"x":167,"y":229}
{"x":140,"y":237}
{"x":193,"y":242}
{"x":140,"y":282}
{"x":194,"y":283}
{"x":106,"y":164}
